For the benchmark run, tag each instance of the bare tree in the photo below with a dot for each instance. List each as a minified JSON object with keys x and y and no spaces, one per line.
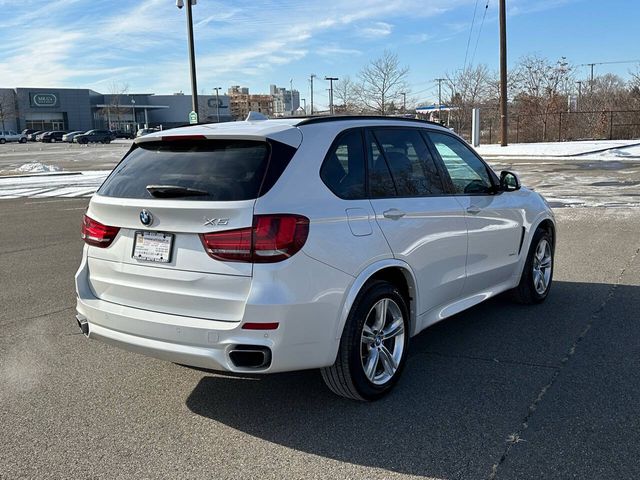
{"x":542,"y":88}
{"x":345,"y":92}
{"x":7,"y":107}
{"x":468,"y":89}
{"x":381,"y":81}
{"x":115,"y":107}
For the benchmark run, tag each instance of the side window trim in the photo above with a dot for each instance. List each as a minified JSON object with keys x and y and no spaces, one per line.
{"x":371,"y":134}
{"x":492,"y":176}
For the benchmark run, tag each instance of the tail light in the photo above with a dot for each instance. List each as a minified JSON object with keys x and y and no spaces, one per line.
{"x":272,"y":238}
{"x":96,"y":234}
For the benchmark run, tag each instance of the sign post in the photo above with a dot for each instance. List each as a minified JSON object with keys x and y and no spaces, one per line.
{"x":193,"y":118}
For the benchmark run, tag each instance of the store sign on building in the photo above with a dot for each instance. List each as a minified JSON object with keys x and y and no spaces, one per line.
{"x":43,"y":99}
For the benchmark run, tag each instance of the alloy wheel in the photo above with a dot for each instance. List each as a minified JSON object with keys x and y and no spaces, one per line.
{"x":382,"y":341}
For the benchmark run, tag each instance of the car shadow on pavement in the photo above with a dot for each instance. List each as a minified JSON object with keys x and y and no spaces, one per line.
{"x":467,"y":387}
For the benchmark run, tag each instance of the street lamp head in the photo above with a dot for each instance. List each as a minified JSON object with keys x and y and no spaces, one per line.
{"x":179,"y":3}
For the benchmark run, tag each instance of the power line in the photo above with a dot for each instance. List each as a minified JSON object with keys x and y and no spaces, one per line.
{"x":473,"y":21}
{"x":484,"y":15}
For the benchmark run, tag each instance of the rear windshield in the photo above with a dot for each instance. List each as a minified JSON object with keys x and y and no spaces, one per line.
{"x":212,"y":170}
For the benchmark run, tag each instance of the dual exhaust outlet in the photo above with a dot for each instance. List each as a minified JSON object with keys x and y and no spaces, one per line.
{"x":243,"y":356}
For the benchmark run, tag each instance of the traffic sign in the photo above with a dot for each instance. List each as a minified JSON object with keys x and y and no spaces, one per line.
{"x":193,"y":117}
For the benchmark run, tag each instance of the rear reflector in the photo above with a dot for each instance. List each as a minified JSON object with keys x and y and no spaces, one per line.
{"x":261,"y":326}
{"x":272,"y":238}
{"x":96,"y":234}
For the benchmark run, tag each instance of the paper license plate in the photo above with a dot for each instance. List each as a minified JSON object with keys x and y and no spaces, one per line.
{"x":153,"y":247}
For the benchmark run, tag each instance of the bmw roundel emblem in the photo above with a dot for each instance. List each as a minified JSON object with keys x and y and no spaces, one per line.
{"x":146,"y":218}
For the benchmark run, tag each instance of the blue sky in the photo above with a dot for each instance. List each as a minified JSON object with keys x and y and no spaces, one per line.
{"x":94,"y":43}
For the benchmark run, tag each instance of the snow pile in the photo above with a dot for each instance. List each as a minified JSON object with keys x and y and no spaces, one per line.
{"x":37,"y":167}
{"x":559,"y":149}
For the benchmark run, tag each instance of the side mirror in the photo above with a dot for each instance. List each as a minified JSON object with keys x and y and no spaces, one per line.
{"x":509,"y":181}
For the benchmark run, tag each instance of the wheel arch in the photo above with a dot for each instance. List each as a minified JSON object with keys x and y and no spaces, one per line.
{"x":543,"y":221}
{"x":395,"y":271}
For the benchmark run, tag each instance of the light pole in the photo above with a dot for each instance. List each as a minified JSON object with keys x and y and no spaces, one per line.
{"x":404,"y":102}
{"x":192,"y":53}
{"x":133,"y":108}
{"x":304,"y":103}
{"x":331,"y":79}
{"x":217,"y":103}
{"x":312,"y":77}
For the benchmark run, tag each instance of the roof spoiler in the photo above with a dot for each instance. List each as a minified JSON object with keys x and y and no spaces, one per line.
{"x":253,"y":116}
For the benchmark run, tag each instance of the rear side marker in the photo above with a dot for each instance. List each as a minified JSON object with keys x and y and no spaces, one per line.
{"x":261,"y":326}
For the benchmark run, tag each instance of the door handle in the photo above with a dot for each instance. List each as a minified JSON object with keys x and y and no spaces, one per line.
{"x":393,"y":214}
{"x":473,"y":210}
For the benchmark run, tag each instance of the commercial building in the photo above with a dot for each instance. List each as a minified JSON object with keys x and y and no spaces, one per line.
{"x":241,"y":102}
{"x":84,"y":109}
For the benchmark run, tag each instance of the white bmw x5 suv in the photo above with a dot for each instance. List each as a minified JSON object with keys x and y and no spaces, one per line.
{"x":278,"y":245}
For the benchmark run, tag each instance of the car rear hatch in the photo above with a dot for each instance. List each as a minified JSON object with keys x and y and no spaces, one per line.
{"x":158,"y":202}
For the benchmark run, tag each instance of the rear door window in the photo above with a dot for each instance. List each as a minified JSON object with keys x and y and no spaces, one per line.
{"x":207,"y":170}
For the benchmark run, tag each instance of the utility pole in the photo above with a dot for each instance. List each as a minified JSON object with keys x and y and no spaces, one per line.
{"x":440,"y":80}
{"x":291,"y":96}
{"x":312,"y":77}
{"x":579,"y":82}
{"x":404,"y":102}
{"x":591,"y":65}
{"x":217,"y":103}
{"x":504,"y":133}
{"x":331,"y":79}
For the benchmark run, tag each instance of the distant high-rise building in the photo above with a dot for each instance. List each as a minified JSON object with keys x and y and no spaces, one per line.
{"x":284,"y":101}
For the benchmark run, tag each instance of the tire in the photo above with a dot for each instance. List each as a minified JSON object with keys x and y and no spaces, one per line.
{"x":537,"y":276}
{"x":361,"y":348}
{"x":2,"y":141}
{"x":23,"y":140}
{"x":53,"y":140}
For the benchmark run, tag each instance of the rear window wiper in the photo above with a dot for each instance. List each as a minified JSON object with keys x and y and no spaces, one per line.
{"x":174,"y":191}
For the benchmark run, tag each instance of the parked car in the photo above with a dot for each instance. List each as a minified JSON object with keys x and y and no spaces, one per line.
{"x":68,"y":137}
{"x":32,"y":136}
{"x":52,"y":137}
{"x":145,"y":131}
{"x":93,"y":136}
{"x":122,"y":134}
{"x":28,"y":131}
{"x":41,"y":135}
{"x":11,"y":136}
{"x":279,"y":245}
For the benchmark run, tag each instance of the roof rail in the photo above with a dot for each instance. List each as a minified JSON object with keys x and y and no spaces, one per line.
{"x":337,"y":118}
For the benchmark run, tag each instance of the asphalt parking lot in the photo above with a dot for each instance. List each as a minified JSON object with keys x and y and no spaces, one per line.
{"x":500,"y":391}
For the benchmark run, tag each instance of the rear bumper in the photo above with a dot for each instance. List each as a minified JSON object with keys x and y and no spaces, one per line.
{"x":304,"y":339}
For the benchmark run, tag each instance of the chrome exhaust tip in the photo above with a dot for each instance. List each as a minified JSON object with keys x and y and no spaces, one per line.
{"x":250,"y":356}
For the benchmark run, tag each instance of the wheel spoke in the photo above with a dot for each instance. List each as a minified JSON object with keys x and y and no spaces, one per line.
{"x":381,"y":314}
{"x":546,"y":262}
{"x":388,"y":362}
{"x":372,"y":364}
{"x":368,"y":336}
{"x":393,"y":330}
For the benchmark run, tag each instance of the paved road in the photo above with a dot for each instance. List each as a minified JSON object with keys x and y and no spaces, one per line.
{"x":501,"y":391}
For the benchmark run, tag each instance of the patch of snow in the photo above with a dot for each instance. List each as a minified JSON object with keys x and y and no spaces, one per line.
{"x":554,"y":149}
{"x":82,"y":185}
{"x":36,"y":167}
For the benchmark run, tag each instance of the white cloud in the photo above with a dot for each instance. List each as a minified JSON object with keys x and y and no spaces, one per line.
{"x":375,"y":30}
